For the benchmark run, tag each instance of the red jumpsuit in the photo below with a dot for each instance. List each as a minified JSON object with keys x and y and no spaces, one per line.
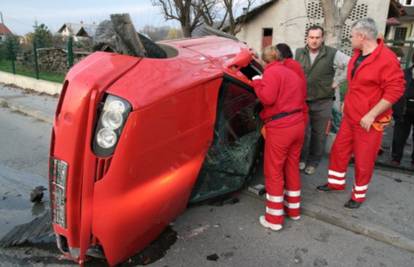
{"x":280,"y":91}
{"x":379,"y":76}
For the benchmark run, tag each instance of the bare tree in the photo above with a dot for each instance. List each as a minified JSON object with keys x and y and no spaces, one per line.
{"x":224,"y":14}
{"x":336,"y":12}
{"x":186,"y":12}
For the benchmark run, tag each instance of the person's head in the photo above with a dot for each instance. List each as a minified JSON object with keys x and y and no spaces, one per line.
{"x":314,"y":37}
{"x":363,"y":31}
{"x":270,"y":54}
{"x":284,"y":50}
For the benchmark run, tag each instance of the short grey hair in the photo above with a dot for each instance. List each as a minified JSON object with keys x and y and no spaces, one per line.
{"x":366,"y":26}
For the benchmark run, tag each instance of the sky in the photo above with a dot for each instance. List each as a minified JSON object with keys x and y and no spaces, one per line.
{"x":20,"y":15}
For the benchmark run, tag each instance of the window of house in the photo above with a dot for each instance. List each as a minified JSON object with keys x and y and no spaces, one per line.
{"x":267,"y":37}
{"x":400,"y":34}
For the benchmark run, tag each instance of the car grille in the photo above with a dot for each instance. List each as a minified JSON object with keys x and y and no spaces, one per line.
{"x":58,"y":180}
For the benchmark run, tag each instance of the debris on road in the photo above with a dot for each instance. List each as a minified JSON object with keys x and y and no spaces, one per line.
{"x":212,"y":257}
{"x":37,"y":194}
{"x":37,"y":231}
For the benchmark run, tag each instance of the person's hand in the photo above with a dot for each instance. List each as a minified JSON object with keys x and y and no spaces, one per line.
{"x":334,"y":85}
{"x":367,"y":121}
{"x":257,"y":77}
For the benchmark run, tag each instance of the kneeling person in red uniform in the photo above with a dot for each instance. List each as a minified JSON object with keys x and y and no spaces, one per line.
{"x":280,"y":91}
{"x":375,"y":82}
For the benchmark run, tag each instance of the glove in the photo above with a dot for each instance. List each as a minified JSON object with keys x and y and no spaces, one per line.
{"x":257,"y":77}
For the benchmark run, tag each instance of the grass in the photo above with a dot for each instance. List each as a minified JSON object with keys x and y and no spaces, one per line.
{"x":6,"y":65}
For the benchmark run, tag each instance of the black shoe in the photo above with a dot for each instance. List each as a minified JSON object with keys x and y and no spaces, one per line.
{"x":325,"y":188}
{"x":352,"y":204}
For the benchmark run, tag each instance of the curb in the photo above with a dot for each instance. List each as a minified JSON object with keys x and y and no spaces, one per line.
{"x":349,"y":223}
{"x":27,"y":111}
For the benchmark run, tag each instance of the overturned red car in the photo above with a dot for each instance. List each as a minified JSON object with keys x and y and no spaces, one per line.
{"x":136,"y":139}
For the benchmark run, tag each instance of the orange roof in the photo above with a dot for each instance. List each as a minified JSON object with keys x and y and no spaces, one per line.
{"x":4,"y":29}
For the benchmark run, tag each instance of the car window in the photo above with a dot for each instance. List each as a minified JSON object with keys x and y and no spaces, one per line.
{"x":235,"y":147}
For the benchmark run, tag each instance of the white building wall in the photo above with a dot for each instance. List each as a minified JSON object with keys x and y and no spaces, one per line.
{"x":288,"y":18}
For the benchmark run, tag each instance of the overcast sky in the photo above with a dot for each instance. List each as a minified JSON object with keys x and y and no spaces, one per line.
{"x":20,"y":15}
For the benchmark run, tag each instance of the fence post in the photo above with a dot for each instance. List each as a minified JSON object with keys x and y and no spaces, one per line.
{"x":35,"y":59}
{"x":70,"y":52}
{"x":13,"y":57}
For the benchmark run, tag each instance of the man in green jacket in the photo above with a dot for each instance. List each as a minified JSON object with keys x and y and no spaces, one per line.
{"x":325,"y":69}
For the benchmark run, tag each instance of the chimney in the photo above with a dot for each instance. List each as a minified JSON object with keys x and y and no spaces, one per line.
{"x":1,"y":17}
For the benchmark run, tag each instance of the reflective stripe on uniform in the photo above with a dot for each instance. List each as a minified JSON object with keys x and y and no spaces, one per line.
{"x":275,"y":212}
{"x":292,"y":205}
{"x":360,"y":188}
{"x":292,"y":193}
{"x":276,"y":199}
{"x":336,"y":181}
{"x":359,"y":195}
{"x":337,"y":174}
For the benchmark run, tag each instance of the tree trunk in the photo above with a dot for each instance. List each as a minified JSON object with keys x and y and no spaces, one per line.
{"x":335,"y":16}
{"x":186,"y":30}
{"x":126,"y":31}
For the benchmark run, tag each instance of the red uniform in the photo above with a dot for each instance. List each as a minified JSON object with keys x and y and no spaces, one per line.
{"x":379,"y":76}
{"x":297,"y":68}
{"x":280,"y":91}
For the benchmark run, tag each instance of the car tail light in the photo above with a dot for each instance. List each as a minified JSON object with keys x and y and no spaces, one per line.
{"x":58,"y":180}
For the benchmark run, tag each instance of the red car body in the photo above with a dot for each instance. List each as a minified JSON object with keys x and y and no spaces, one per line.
{"x":121,"y":201}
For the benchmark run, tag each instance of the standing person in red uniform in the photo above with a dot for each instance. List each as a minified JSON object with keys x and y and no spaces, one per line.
{"x":280,"y":91}
{"x":287,"y":59}
{"x":375,"y":82}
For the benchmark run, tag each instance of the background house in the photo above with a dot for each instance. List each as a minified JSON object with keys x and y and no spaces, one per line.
{"x":286,"y":21}
{"x":79,"y":31}
{"x":4,"y":31}
{"x":402,"y":28}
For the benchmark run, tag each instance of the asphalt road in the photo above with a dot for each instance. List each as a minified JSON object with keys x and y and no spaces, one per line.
{"x":231,"y":231}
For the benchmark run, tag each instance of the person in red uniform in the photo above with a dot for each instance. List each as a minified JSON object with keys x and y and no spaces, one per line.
{"x":375,"y":82}
{"x":280,"y":92}
{"x":287,"y":59}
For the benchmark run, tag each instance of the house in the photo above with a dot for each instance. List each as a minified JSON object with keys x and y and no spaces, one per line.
{"x":286,"y":21}
{"x":79,"y":31}
{"x":4,"y":31}
{"x":402,"y":28}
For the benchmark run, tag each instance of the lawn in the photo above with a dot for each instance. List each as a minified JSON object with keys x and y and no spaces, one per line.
{"x":6,"y":65}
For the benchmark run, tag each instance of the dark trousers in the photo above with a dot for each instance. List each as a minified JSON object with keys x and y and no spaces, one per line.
{"x":320,"y":112}
{"x":402,"y":128}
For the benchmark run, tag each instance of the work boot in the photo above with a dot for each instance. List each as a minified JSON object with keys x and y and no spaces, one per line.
{"x":302,"y":165}
{"x":310,"y":170}
{"x":352,"y":204}
{"x":326,"y":188}
{"x":271,"y":226}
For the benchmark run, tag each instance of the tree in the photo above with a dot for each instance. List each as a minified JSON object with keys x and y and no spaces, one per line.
{"x":219,"y":14}
{"x":187,"y":12}
{"x":222,"y":14}
{"x":41,"y":35}
{"x":335,"y":13}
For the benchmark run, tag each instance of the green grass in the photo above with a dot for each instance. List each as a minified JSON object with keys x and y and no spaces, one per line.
{"x":6,"y":65}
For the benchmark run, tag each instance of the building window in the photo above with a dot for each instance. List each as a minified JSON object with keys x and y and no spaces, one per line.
{"x":267,"y":37}
{"x":400,"y":33}
{"x":406,"y":2}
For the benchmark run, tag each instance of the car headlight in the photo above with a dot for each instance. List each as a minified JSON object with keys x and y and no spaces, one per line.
{"x":106,"y":138}
{"x":109,"y":126}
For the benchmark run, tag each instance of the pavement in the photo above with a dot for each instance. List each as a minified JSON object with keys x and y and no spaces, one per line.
{"x":386,"y":216}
